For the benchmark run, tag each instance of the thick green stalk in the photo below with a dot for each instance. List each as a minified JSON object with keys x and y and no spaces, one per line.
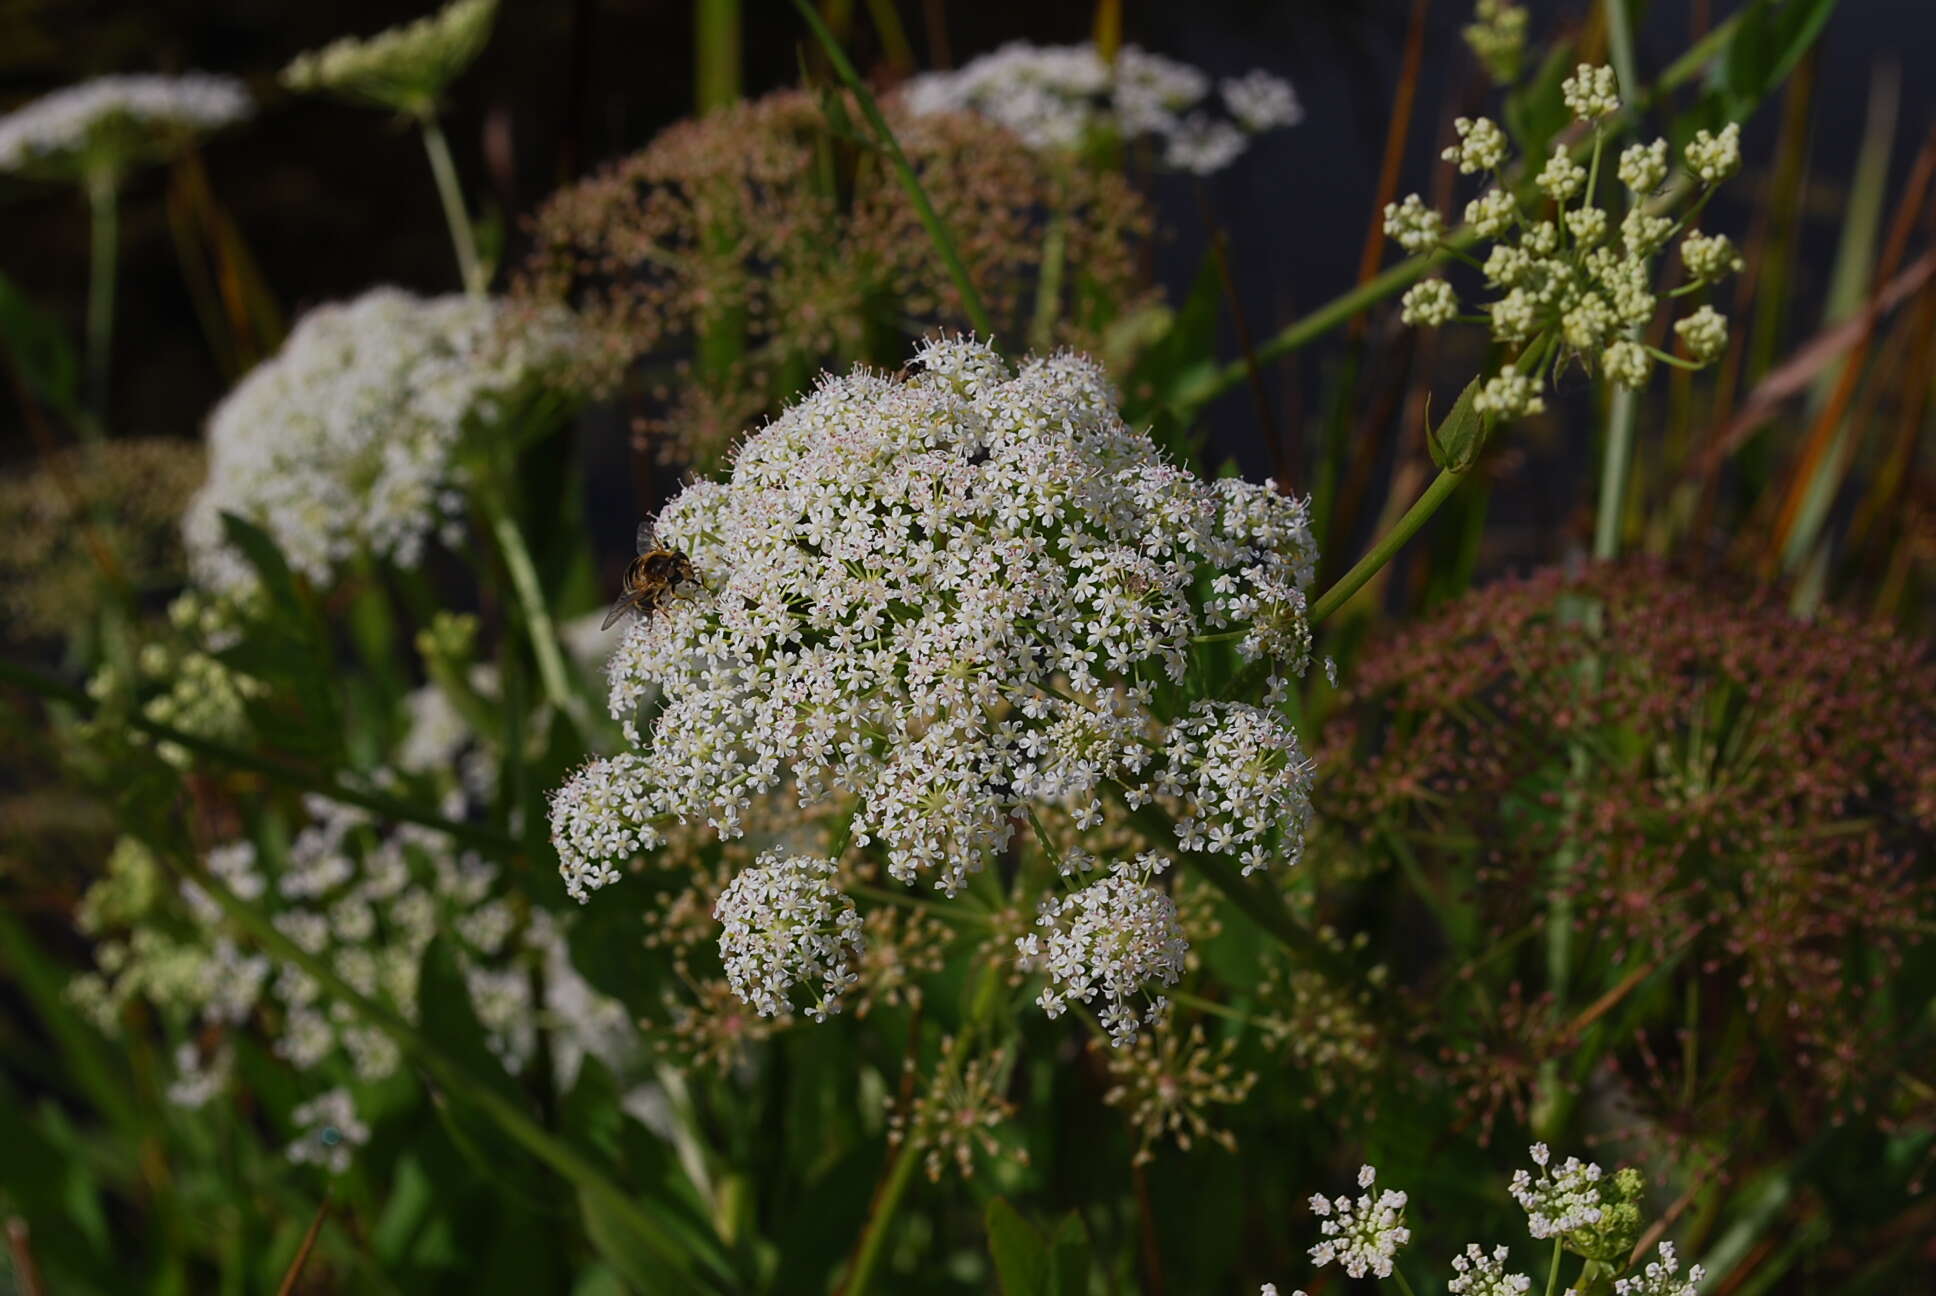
{"x":931,"y":221}
{"x":451,"y":194}
{"x":716,"y":54}
{"x":236,"y":758}
{"x":873,"y":1242}
{"x":1620,"y":44}
{"x":103,"y":193}
{"x":1616,"y":459}
{"x":1388,"y":544}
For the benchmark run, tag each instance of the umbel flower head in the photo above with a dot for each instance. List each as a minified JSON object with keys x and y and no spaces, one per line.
{"x":1066,"y":97}
{"x":1113,"y":938}
{"x":1361,"y":1236}
{"x":785,"y":924}
{"x":406,"y":68}
{"x":343,"y":442}
{"x":948,"y":597}
{"x":1576,"y":283}
{"x":760,"y":224}
{"x":100,"y":127}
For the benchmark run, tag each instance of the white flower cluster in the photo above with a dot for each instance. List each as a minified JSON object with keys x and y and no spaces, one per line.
{"x":366,"y":900}
{"x":1562,"y":1200}
{"x":1114,"y":937}
{"x":343,"y":443}
{"x":1364,"y":1235}
{"x":405,"y":67}
{"x":947,"y":597}
{"x":1661,"y":1277}
{"x":331,"y":1132}
{"x":1243,"y":781}
{"x":1478,"y":1274}
{"x":1568,"y":285}
{"x":1068,"y":97}
{"x":113,"y":119}
{"x":784,"y":923}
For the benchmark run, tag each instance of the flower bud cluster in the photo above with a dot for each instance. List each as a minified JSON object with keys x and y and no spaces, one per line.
{"x":405,"y":68}
{"x":1497,"y":37}
{"x":1574,"y":284}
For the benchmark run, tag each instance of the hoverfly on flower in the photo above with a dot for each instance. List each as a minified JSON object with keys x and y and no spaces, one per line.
{"x":652,"y":577}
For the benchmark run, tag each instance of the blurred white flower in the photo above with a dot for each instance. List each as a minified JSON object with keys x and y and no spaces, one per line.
{"x":343,"y":442}
{"x":1067,"y":97}
{"x":114,"y":120}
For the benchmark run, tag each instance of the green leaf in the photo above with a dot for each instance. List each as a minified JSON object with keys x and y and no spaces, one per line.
{"x":643,"y":1258}
{"x":1462,"y":434}
{"x":1021,"y":1253}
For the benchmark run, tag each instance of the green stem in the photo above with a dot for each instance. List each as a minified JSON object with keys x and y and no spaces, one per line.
{"x":944,"y":242}
{"x":1403,"y":1286}
{"x":103,"y":191}
{"x":236,"y":758}
{"x":1553,"y":1274}
{"x":1388,"y":544}
{"x":530,"y":600}
{"x":873,"y":1242}
{"x":451,"y":194}
{"x":716,"y":28}
{"x":1620,"y":43}
{"x":1616,"y":459}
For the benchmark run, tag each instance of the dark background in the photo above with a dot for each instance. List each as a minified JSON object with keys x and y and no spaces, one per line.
{"x":332,"y":198}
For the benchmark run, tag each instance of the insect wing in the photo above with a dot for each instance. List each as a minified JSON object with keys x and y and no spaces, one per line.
{"x":648,"y":538}
{"x":619,"y":605}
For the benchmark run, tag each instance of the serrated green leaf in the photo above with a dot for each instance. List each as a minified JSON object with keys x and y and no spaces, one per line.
{"x":1462,"y":434}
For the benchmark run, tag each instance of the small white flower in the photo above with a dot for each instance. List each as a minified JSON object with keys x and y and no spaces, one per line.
{"x":1660,"y":1278}
{"x":784,"y":923}
{"x":1627,"y":363}
{"x":1704,"y":333}
{"x":1260,"y":101}
{"x":1115,"y":938}
{"x":1561,"y":1200}
{"x":1715,"y":157}
{"x":1514,"y":316}
{"x":1478,"y":1274}
{"x":1481,"y":146}
{"x":331,"y":1132}
{"x":1592,"y":92}
{"x":1412,"y":225}
{"x":1644,"y":166}
{"x":1362,"y":1236}
{"x":1430,"y":303}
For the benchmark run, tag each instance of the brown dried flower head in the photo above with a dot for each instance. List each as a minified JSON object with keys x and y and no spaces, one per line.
{"x":742,"y":252}
{"x":1732,"y":795}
